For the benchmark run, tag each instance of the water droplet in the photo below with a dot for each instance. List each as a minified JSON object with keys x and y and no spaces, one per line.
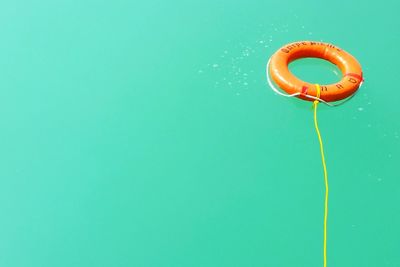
{"x":215,"y":65}
{"x":360,"y":109}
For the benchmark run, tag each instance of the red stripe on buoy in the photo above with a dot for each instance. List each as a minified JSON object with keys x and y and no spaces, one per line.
{"x":304,"y":90}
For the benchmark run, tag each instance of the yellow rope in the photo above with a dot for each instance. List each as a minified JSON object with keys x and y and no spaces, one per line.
{"x":325,"y":172}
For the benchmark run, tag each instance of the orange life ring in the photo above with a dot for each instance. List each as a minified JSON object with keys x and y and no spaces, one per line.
{"x":349,"y":66}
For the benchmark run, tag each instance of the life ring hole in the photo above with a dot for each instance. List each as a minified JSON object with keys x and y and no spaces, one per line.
{"x":315,"y":70}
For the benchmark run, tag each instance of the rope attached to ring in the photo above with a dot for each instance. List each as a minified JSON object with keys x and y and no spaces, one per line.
{"x":317,"y":99}
{"x":325,"y":173}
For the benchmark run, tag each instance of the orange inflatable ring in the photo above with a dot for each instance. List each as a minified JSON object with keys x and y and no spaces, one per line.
{"x":349,"y":66}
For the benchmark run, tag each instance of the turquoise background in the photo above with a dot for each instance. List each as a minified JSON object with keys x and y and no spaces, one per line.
{"x":144,"y":134}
